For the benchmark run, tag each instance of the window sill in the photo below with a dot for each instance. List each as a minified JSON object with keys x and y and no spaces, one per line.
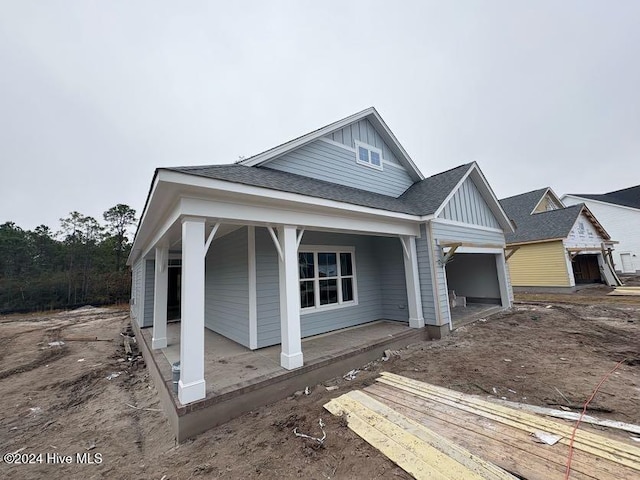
{"x":367,"y":164}
{"x":325,"y":308}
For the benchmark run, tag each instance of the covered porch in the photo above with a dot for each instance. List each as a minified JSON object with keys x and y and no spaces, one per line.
{"x":244,"y":278}
{"x":239,"y":380}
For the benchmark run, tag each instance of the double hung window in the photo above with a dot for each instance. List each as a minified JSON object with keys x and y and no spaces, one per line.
{"x":327,"y":278}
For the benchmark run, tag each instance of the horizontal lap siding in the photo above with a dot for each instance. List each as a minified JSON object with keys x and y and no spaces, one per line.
{"x":332,"y":163}
{"x":364,"y":132}
{"x":227,"y":287}
{"x":468,"y":206}
{"x":267,"y":289}
{"x":369,"y":306}
{"x":539,"y":264}
{"x":393,"y":285}
{"x":149,"y":292}
{"x":425,"y":265}
{"x":457,"y":233}
{"x":136,"y":291}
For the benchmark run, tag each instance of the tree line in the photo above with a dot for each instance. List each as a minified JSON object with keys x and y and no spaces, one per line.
{"x":82,"y":263}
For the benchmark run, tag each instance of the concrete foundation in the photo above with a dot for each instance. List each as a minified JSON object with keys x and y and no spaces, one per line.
{"x":230,"y":394}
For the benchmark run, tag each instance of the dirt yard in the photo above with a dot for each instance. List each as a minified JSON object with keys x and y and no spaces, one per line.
{"x":65,"y":399}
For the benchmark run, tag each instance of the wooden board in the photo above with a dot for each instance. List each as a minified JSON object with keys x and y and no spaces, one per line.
{"x":502,"y":435}
{"x":419,"y":451}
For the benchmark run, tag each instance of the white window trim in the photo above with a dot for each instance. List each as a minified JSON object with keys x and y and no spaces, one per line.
{"x":316,"y":280}
{"x":369,"y":148}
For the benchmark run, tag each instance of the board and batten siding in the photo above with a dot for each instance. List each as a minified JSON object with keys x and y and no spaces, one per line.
{"x":425,"y":266}
{"x":468,"y":206}
{"x":337,"y":164}
{"x":364,"y":132}
{"x":227,"y":287}
{"x":540,"y":265}
{"x":149,"y":292}
{"x":446,"y":233}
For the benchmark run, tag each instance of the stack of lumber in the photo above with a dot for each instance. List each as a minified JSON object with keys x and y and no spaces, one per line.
{"x":626,"y":291}
{"x":434,"y":432}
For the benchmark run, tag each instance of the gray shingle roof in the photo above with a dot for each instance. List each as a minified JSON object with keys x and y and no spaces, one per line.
{"x":422,"y":198}
{"x":537,"y":226}
{"x":628,"y":197}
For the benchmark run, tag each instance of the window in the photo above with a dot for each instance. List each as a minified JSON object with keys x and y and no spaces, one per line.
{"x":327,"y":278}
{"x":368,"y":155}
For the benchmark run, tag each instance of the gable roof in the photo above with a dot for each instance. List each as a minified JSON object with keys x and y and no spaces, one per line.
{"x":548,"y":225}
{"x":425,"y":197}
{"x":627,"y":197}
{"x":548,"y":192}
{"x":370,"y":114}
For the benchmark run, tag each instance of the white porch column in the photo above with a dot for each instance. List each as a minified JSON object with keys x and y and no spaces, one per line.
{"x":410,"y":254}
{"x":161,"y":285}
{"x":191,"y":386}
{"x":291,"y":355}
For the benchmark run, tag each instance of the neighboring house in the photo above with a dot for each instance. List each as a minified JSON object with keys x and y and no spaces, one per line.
{"x":619,"y":212}
{"x":554,"y":245}
{"x":333,"y":229}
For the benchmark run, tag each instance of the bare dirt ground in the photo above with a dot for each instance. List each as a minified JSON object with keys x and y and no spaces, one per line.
{"x":58,"y":400}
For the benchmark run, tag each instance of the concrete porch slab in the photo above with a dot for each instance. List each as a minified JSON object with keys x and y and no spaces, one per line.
{"x":239,"y":380}
{"x":473,"y":311}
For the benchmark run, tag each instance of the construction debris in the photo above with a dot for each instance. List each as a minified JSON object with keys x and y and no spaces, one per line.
{"x":429,"y":430}
{"x":546,"y":437}
{"x":114,"y":375}
{"x":633,"y":291}
{"x":351,"y":374}
{"x":320,"y":440}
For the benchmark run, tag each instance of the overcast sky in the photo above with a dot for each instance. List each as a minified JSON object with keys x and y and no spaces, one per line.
{"x":95,"y":95}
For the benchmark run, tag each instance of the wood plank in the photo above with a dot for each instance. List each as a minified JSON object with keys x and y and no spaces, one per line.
{"x":412,"y":455}
{"x":603,"y":447}
{"x":509,"y":448}
{"x":472,"y":462}
{"x":624,"y":449}
{"x":572,"y":416}
{"x":586,"y":441}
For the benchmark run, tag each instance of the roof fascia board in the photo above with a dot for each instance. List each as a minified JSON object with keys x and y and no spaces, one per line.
{"x":548,"y":191}
{"x":152,"y":189}
{"x":233,"y":187}
{"x":594,"y":221}
{"x":391,"y":139}
{"x":584,"y":199}
{"x":546,"y":240}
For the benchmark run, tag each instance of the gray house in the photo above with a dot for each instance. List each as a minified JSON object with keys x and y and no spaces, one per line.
{"x":333,"y":229}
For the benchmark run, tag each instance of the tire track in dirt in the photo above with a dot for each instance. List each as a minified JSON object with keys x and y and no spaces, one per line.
{"x":45,"y":357}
